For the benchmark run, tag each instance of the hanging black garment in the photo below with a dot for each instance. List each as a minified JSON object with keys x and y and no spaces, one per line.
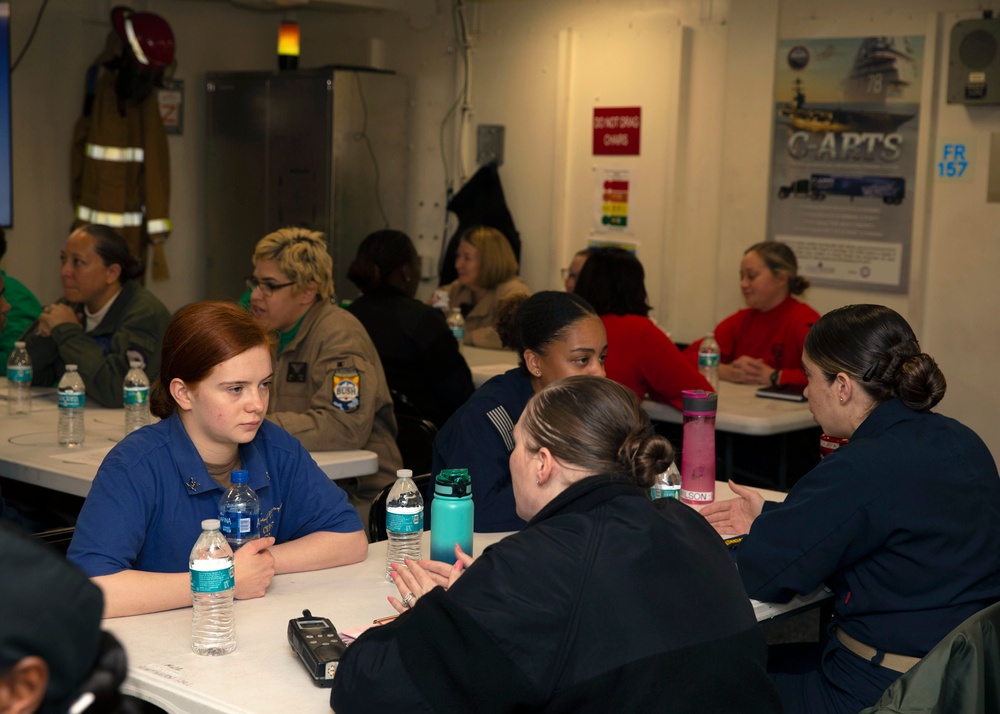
{"x":480,"y":202}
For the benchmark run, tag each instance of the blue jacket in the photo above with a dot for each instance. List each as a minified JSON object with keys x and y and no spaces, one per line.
{"x":149,"y":497}
{"x":902,"y":522}
{"x":480,"y":437}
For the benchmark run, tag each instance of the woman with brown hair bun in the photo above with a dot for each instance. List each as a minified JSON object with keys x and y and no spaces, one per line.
{"x":602,"y":602}
{"x":902,"y":522}
{"x":153,"y":490}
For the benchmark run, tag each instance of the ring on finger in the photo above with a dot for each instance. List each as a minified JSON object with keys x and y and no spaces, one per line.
{"x":407,"y":599}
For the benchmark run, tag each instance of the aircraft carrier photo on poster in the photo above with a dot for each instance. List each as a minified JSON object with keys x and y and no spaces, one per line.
{"x":838,"y":118}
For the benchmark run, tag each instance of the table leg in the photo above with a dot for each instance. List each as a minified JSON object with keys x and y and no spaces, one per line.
{"x":727,"y":457}
{"x":783,"y":463}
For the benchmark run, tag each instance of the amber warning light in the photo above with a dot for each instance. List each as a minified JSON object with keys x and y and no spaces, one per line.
{"x":288,"y":45}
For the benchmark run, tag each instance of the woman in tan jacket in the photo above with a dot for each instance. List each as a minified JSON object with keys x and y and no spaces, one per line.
{"x":329,"y":388}
{"x":487,"y":274}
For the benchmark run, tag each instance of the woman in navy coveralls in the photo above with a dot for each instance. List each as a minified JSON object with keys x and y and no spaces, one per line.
{"x":901,"y":523}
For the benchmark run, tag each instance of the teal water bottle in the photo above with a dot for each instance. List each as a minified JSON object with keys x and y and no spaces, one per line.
{"x":451,"y":514}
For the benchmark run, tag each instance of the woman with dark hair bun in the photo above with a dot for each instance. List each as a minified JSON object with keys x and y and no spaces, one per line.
{"x":640,"y":355}
{"x":762,"y":344}
{"x":419,"y":353}
{"x":104,"y":318}
{"x":154,"y":488}
{"x":555,"y":335}
{"x":902,"y":522}
{"x":602,"y":602}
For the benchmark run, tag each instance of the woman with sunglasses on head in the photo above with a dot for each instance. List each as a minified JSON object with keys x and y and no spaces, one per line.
{"x":901,"y":522}
{"x":153,"y":490}
{"x":602,"y":602}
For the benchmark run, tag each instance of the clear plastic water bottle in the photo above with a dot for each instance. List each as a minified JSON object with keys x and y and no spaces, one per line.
{"x":19,"y":381}
{"x":239,"y":511}
{"x":667,"y":484}
{"x":213,"y":628}
{"x":708,"y":360}
{"x":456,"y":323}
{"x":404,"y":521}
{"x":72,"y":399}
{"x":135,"y":395}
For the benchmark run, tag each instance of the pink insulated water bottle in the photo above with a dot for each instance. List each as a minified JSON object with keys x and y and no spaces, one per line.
{"x":698,"y":451}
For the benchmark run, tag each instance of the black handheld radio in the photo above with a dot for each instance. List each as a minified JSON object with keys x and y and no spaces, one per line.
{"x":316,"y":642}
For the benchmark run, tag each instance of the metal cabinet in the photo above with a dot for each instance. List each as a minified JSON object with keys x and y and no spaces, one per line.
{"x":324,"y":149}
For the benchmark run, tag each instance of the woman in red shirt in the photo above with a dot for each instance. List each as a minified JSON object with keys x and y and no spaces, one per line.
{"x":640,"y":355}
{"x":762,"y":343}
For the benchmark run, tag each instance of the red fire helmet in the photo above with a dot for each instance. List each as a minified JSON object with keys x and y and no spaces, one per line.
{"x":148,"y":35}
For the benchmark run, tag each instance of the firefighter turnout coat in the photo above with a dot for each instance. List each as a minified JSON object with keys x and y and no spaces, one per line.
{"x":120,"y":165}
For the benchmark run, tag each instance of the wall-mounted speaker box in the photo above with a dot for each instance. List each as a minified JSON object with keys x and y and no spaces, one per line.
{"x":974,"y":62}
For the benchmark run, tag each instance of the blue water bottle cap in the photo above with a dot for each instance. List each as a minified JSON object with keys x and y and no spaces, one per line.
{"x":240,"y":476}
{"x":454,"y":483}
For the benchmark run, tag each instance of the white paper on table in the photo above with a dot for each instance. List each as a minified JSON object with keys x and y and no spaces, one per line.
{"x":767,"y":610}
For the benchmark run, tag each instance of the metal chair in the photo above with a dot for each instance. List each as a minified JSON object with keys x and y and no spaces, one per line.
{"x":58,"y":538}
{"x":415,"y":439}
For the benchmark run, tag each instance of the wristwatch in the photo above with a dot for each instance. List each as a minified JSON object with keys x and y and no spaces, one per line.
{"x":775,"y":375}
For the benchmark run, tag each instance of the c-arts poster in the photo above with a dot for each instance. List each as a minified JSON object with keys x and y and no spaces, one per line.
{"x":844,"y":160}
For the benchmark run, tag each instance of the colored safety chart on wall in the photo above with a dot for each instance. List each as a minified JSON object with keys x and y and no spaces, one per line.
{"x":611,"y":200}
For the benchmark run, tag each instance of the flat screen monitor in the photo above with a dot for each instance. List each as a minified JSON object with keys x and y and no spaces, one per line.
{"x":6,"y":166}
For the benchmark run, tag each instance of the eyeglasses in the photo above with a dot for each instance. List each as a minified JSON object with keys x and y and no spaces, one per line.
{"x":266,"y":289}
{"x":566,"y":273}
